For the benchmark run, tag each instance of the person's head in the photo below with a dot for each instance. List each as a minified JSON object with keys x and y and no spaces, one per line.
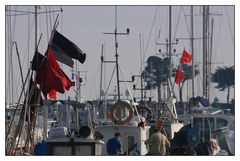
{"x":118,"y":135}
{"x":156,"y":130}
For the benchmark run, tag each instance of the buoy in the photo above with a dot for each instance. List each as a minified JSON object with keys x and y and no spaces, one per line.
{"x":124,"y":105}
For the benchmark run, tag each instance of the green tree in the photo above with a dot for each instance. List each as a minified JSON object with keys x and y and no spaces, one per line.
{"x":155,"y":74}
{"x":224,"y":77}
{"x":187,"y":72}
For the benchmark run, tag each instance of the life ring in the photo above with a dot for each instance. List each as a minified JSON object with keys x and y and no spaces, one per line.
{"x":121,"y":104}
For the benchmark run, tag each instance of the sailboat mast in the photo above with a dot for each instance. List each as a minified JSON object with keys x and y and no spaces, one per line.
{"x":192,"y":50}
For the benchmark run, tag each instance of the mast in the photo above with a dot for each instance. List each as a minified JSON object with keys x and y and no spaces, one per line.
{"x":141,"y":67}
{"x":169,"y":50}
{"x":116,"y":54}
{"x":210,"y":56}
{"x":116,"y":51}
{"x":205,"y":51}
{"x":192,"y":50}
{"x":36,"y":33}
{"x":101,"y":74}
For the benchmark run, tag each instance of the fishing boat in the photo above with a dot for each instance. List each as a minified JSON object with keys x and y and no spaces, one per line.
{"x":203,"y":124}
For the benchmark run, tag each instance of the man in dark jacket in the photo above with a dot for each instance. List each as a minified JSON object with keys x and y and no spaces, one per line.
{"x":114,"y":145}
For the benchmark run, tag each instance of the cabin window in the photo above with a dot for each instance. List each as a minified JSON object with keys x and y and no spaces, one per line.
{"x":198,"y":122}
{"x":221,"y":123}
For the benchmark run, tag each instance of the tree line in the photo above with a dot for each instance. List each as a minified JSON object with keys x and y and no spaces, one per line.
{"x":156,"y":74}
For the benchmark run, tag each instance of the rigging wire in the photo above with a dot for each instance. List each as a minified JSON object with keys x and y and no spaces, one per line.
{"x":94,"y":81}
{"x":154,"y":19}
{"x":28,"y":37}
{"x":46,"y":8}
{"x":135,"y":108}
{"x":10,"y":59}
{"x":177,"y":22}
{"x":186,"y":22}
{"x":218,"y":40}
{"x":149,"y":36}
{"x":229,"y":25}
{"x":11,"y":51}
{"x":53,"y":13}
{"x":106,"y":93}
{"x":30,"y":28}
{"x":50,"y":17}
{"x":61,"y":21}
{"x":8,"y":47}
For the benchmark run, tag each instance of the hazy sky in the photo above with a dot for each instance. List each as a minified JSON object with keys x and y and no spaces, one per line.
{"x":84,"y":25}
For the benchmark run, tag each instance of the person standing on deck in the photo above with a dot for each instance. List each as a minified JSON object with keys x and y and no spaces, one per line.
{"x":158,"y":143}
{"x":114,"y":145}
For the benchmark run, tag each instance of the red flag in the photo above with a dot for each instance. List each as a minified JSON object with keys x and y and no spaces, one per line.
{"x":179,"y":76}
{"x":52,"y":94}
{"x":52,"y":78}
{"x":186,"y":57}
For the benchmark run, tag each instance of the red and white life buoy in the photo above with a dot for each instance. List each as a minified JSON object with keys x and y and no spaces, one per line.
{"x":125,"y":105}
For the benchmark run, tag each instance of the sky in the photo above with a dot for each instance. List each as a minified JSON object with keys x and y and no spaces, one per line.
{"x":84,"y":25}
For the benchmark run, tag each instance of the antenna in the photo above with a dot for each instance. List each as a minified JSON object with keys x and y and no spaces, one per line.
{"x":116,"y":34}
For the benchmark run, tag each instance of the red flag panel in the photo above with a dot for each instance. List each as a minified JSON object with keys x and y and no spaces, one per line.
{"x":52,"y":78}
{"x":179,"y":76}
{"x":186,"y":57}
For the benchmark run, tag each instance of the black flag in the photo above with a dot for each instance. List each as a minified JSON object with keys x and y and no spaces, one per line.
{"x":64,"y":50}
{"x":38,"y":61}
